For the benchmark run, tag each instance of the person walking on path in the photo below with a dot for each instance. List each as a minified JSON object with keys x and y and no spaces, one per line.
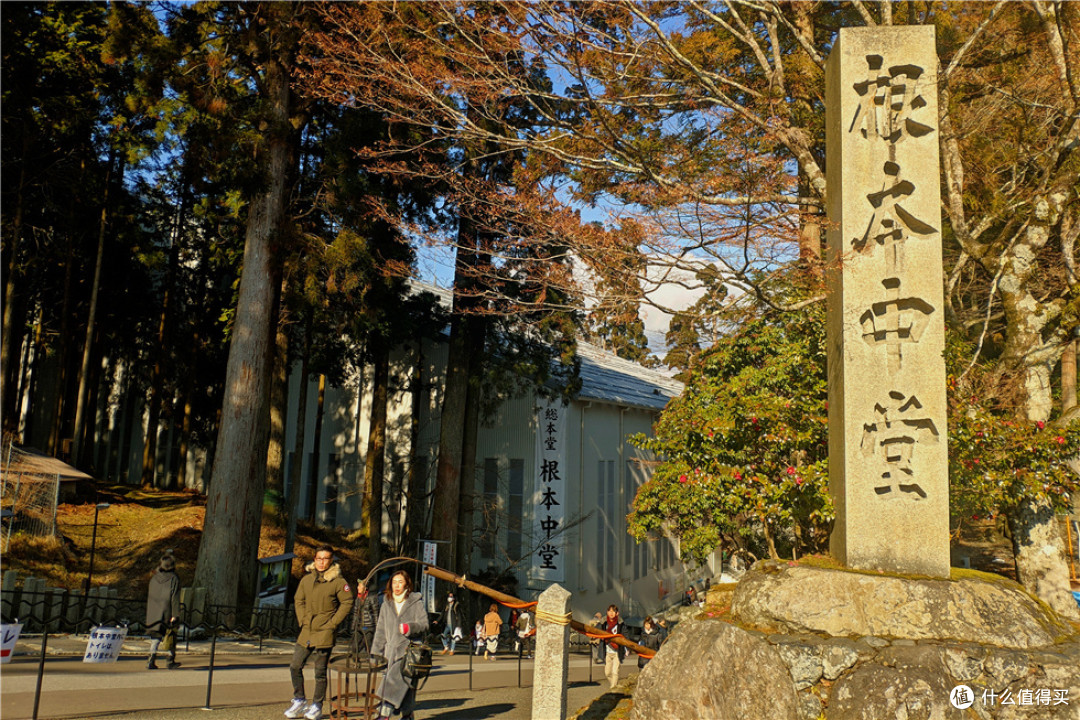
{"x":492,"y":627}
{"x":162,"y":610}
{"x":597,"y":646}
{"x":524,"y":628}
{"x":401,"y":619}
{"x":452,"y":627}
{"x":614,"y":653}
{"x":650,"y":638}
{"x":323,"y":601}
{"x":369,"y":615}
{"x":478,"y":636}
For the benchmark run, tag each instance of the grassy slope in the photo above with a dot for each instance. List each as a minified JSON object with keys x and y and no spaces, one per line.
{"x":138,"y":527}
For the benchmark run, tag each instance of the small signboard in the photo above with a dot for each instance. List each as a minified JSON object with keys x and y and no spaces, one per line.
{"x":274,"y":580}
{"x":430,"y":556}
{"x":104,"y":643}
{"x":10,"y":635}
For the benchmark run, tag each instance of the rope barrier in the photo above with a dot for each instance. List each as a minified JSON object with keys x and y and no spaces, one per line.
{"x":554,"y":618}
{"x":511,"y":601}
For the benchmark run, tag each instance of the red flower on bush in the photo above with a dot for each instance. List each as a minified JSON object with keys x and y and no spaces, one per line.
{"x":1060,"y":440}
{"x":790,"y":470}
{"x":682,"y":478}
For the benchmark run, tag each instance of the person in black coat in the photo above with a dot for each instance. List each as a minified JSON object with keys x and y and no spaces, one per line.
{"x":650,"y":638}
{"x":452,"y":627}
{"x":162,"y":609}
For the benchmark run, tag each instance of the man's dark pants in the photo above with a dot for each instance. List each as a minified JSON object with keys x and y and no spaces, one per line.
{"x":299,"y":659}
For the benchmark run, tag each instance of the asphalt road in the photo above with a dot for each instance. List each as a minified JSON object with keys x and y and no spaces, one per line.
{"x":256,"y":685}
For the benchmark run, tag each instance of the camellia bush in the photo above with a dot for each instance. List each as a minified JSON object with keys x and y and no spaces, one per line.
{"x":997,"y":459}
{"x":743,"y":449}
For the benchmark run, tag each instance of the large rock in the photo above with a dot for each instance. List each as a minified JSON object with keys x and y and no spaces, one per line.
{"x":907,"y":682}
{"x":711,"y":670}
{"x":973,"y":607}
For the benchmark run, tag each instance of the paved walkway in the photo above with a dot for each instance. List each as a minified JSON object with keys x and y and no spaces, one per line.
{"x":247,"y":684}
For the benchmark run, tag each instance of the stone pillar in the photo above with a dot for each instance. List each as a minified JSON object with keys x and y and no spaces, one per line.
{"x":888,"y":465}
{"x":551,"y":667}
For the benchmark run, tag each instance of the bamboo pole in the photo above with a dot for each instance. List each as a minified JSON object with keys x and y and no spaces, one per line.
{"x":458,"y":580}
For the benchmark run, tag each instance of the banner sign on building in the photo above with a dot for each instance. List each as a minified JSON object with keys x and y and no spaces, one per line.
{"x":428,"y":588}
{"x":549,"y":500}
{"x":10,"y":635}
{"x":104,"y":643}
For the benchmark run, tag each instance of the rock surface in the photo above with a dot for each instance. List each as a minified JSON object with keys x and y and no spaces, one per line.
{"x":713,"y":668}
{"x":704,"y":672}
{"x":972,"y":608}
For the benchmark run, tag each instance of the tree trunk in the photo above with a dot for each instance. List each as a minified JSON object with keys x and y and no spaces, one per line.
{"x":1038,"y":546}
{"x":292,"y":506}
{"x":467,"y":497}
{"x":11,"y":331}
{"x":161,"y":354}
{"x":316,"y":444}
{"x":375,"y":462}
{"x":239,"y":469}
{"x":416,"y":505}
{"x":185,"y":429}
{"x":87,"y":435}
{"x":91,"y":320}
{"x":447,"y":496}
{"x":55,"y":420}
{"x":1068,"y":377}
{"x":279,"y":406}
{"x":478,"y":337}
{"x":1041,"y":565}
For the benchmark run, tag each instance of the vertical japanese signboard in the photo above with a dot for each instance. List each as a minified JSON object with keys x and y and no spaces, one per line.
{"x":428,"y":588}
{"x":549,"y":500}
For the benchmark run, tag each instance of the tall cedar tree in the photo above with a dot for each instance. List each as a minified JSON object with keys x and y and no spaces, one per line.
{"x":265,"y":38}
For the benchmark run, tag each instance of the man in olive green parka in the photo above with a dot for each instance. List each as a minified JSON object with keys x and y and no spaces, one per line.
{"x":323,"y":601}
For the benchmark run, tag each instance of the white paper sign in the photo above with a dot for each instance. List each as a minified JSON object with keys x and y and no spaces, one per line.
{"x":10,"y":635}
{"x":104,"y":643}
{"x":549,"y":500}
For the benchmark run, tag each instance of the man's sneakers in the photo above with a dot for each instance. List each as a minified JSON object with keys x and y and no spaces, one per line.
{"x":314,"y":711}
{"x":173,"y":665}
{"x":296,"y":710}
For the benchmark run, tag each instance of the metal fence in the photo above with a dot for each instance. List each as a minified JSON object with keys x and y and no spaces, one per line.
{"x":28,"y":499}
{"x":56,"y":610}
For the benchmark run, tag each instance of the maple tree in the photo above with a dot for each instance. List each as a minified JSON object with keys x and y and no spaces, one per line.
{"x":664,"y":110}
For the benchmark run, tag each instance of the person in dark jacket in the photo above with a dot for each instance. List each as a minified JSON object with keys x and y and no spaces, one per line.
{"x":650,"y":638}
{"x":597,"y":646}
{"x":452,"y":627}
{"x":369,"y":615}
{"x":323,"y":600}
{"x":401,"y":619}
{"x":162,"y":609}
